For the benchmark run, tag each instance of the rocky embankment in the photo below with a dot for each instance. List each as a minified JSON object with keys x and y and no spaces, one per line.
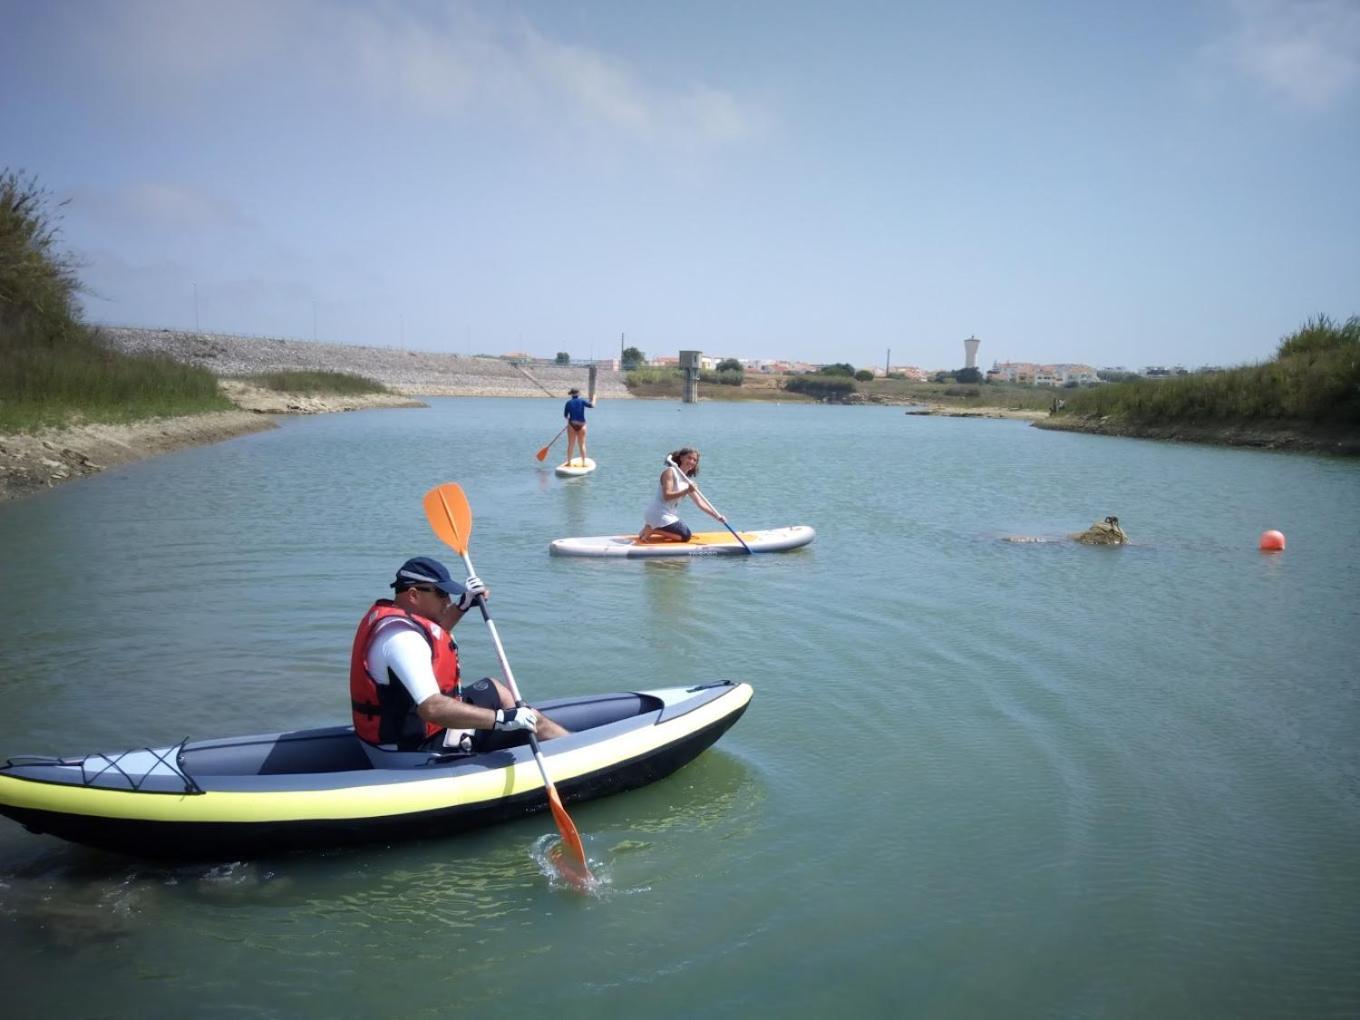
{"x":30,"y":463}
{"x":411,"y":373}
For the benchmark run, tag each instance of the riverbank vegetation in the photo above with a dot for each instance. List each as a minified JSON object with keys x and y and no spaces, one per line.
{"x":1314,"y":378}
{"x":343,"y":384}
{"x":53,"y":369}
{"x":835,"y":384}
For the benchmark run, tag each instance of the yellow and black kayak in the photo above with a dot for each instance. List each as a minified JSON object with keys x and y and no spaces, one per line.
{"x":246,"y":796}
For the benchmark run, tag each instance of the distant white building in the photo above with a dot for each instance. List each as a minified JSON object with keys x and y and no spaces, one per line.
{"x":1028,"y":373}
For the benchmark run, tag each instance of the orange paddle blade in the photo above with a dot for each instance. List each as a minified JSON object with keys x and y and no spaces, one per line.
{"x":449,"y":515}
{"x":542,"y":454}
{"x":574,"y":867}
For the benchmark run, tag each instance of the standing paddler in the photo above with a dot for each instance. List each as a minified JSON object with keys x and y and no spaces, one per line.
{"x":575,"y":413}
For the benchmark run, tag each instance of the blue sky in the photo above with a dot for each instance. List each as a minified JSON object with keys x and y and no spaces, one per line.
{"x":1117,"y":184}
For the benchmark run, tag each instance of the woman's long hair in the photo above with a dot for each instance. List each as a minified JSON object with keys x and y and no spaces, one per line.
{"x":675,"y":455}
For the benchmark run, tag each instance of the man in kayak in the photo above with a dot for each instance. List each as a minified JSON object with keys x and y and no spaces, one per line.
{"x":575,"y":413}
{"x":404,"y":677}
{"x":661,"y":523}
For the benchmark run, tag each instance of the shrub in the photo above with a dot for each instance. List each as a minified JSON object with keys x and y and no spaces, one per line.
{"x":822,"y":389}
{"x":1320,"y":335}
{"x":1315,"y":377}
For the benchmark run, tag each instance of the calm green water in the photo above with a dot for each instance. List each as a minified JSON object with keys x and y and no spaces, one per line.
{"x":978,"y":778}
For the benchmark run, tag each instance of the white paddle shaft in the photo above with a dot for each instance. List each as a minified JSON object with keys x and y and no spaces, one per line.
{"x":505,"y":668}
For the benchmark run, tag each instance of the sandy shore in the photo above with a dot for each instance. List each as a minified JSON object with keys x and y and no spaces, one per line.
{"x":956,"y":411}
{"x":30,"y":463}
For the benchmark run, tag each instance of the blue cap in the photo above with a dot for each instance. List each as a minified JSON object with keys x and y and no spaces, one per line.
{"x":424,"y":570}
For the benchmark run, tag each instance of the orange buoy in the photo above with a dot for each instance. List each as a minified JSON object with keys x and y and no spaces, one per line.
{"x":1272,"y":541}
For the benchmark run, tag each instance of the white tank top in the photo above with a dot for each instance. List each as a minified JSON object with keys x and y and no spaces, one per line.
{"x":661,"y":511}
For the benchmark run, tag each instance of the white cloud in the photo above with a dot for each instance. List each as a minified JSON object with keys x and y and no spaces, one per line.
{"x":413,"y":60}
{"x":1306,"y":52}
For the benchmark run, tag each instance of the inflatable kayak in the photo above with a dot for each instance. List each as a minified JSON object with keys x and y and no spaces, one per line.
{"x":575,"y":468}
{"x":705,"y":543}
{"x":244,"y":796}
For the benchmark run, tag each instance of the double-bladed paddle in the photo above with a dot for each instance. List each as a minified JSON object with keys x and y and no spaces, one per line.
{"x":447,"y":509}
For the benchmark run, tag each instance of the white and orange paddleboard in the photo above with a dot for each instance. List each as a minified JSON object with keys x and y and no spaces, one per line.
{"x":705,"y":543}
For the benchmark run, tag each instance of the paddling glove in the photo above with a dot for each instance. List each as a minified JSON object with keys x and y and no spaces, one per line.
{"x":472,"y":587}
{"x":517,"y":719}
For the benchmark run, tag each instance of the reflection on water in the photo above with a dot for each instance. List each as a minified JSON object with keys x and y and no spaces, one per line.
{"x":478,"y":882}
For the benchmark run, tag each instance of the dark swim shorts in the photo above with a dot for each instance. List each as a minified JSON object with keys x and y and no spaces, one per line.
{"x":483,"y":694}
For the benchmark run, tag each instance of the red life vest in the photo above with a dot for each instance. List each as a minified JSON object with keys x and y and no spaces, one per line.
{"x":385,"y":713}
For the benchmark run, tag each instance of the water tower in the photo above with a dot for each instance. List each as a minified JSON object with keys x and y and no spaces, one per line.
{"x":970,"y":347}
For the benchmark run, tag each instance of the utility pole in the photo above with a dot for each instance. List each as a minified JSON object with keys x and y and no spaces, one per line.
{"x":887,"y":363}
{"x":621,"y":335}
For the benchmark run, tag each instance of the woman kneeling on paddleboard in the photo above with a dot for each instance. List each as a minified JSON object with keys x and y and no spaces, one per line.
{"x":661,"y":522}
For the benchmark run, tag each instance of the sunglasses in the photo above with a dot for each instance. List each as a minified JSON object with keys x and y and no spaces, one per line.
{"x":430,"y":591}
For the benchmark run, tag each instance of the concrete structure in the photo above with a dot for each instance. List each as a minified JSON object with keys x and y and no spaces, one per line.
{"x":689,"y":363}
{"x":970,"y":347}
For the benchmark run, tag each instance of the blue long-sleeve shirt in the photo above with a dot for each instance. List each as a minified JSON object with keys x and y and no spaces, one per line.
{"x":575,"y":409}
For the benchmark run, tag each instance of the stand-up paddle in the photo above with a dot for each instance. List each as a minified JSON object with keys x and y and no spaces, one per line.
{"x":449,"y":515}
{"x":710,"y":503}
{"x":543,"y":453}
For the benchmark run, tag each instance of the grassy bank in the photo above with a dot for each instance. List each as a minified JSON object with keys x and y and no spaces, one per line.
{"x":48,"y":380}
{"x":963,"y":395}
{"x":1313,"y":379}
{"x":53,"y":369}
{"x":343,"y":384}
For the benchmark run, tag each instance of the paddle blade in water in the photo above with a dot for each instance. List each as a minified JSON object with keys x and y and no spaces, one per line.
{"x":542,"y":454}
{"x":572,"y":864}
{"x":447,"y":510}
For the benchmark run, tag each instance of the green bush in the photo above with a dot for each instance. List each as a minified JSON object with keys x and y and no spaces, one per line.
{"x":1314,"y":377}
{"x":840,"y":368}
{"x":38,"y":283}
{"x":820,"y":388}
{"x":652,"y":376}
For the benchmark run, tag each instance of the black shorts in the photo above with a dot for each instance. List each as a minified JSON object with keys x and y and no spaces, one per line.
{"x":680,"y":529}
{"x":483,"y":694}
